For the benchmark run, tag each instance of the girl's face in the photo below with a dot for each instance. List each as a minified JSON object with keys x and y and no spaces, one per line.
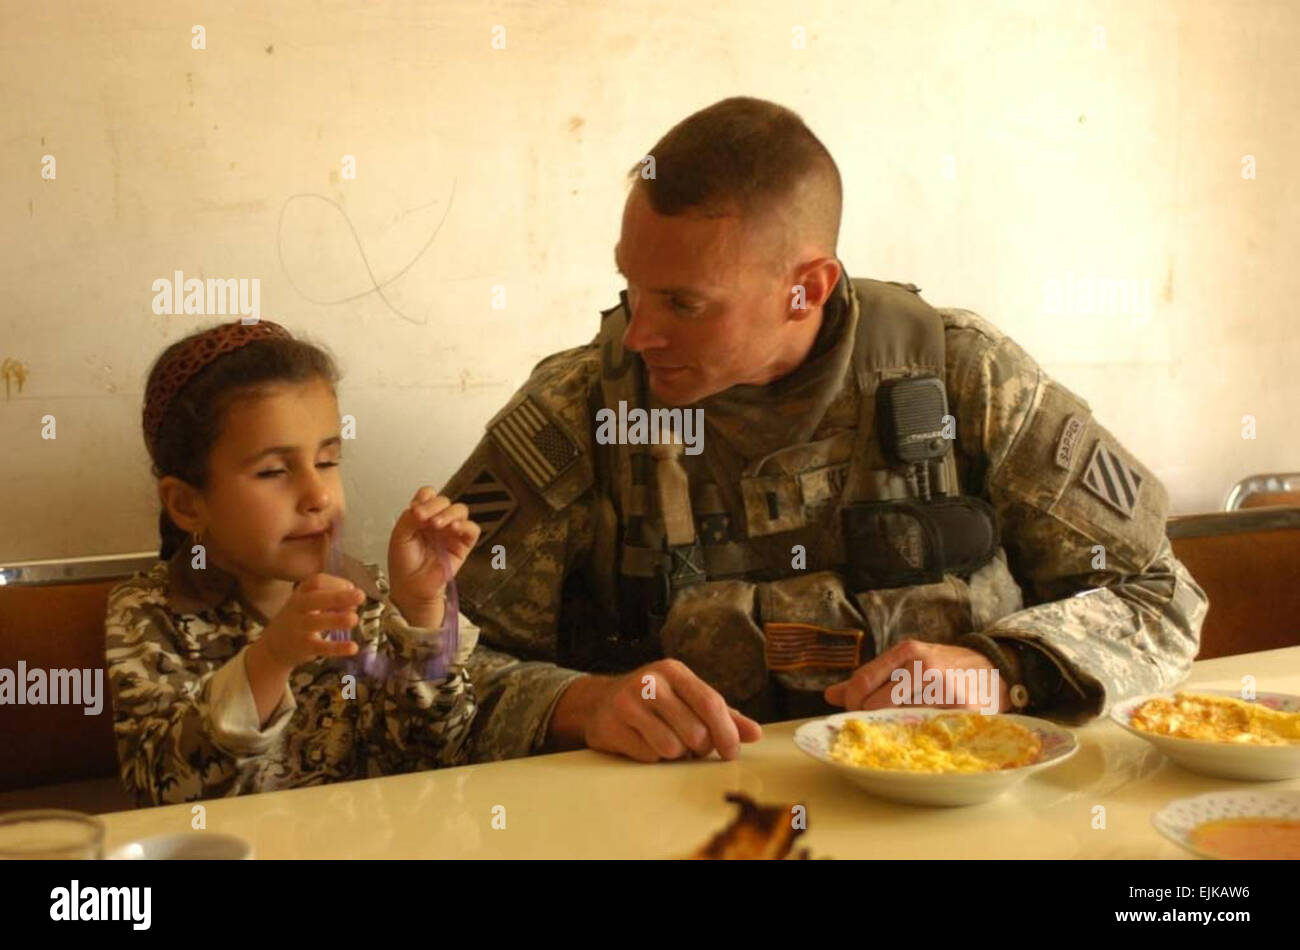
{"x":274,"y":489}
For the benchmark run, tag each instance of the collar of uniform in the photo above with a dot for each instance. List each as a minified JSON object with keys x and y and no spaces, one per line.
{"x":190,"y":590}
{"x":759,"y":420}
{"x":841,"y":307}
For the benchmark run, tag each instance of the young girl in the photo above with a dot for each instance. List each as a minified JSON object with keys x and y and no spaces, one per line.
{"x":222,"y":676}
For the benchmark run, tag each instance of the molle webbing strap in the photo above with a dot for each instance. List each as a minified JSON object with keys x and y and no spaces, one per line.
{"x":674,"y":492}
{"x":621,"y":380}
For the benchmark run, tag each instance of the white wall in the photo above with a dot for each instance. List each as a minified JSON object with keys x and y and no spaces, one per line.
{"x":1120,"y":162}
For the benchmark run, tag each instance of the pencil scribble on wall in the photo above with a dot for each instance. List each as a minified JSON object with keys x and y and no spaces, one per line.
{"x":376,"y":286}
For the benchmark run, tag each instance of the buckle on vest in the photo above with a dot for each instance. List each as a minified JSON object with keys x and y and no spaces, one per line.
{"x":680,"y":567}
{"x":685,"y":566}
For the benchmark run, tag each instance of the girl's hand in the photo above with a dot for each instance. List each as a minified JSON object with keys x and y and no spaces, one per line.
{"x":321,"y":602}
{"x":415,"y":569}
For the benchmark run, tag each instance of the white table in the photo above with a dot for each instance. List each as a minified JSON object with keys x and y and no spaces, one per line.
{"x":588,"y":805}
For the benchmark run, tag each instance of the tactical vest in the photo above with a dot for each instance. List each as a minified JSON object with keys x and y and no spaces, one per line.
{"x":763,"y":611}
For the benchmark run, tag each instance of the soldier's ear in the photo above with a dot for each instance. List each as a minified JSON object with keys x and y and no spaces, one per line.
{"x":814,"y":283}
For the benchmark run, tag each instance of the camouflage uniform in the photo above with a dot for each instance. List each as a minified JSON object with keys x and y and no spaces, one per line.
{"x":185,"y":719}
{"x":557,"y":510}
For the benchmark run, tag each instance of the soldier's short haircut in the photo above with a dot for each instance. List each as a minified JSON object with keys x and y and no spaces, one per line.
{"x":748,"y":157}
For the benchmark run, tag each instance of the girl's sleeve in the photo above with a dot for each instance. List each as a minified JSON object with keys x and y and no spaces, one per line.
{"x":425,"y":722}
{"x":181,"y":733}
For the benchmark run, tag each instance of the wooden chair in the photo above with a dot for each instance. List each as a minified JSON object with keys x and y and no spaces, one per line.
{"x":1261,"y":491}
{"x":1248,"y":562}
{"x":56,"y":756}
{"x":1272,"y":499}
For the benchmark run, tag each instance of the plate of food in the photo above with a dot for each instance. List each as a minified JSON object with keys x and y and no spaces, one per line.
{"x":1216,"y":732}
{"x":1262,"y":825}
{"x":935,"y":756}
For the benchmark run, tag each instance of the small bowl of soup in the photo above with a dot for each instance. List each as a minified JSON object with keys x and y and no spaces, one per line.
{"x":1245,"y":825}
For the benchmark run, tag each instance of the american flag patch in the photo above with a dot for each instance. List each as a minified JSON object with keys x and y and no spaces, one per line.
{"x":489,"y":501}
{"x":534,"y":443}
{"x":1112,"y":480}
{"x":799,"y":646}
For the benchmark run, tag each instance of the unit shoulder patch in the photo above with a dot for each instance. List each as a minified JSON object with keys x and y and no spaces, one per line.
{"x":1110,"y":478}
{"x":490,"y":503}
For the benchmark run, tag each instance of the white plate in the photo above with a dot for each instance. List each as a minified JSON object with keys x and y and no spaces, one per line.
{"x":1177,"y":819}
{"x":933,"y":788}
{"x":185,"y":846}
{"x":1252,"y":763}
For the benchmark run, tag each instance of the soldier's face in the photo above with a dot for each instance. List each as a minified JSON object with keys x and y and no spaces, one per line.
{"x":711,"y":307}
{"x":274,"y":477}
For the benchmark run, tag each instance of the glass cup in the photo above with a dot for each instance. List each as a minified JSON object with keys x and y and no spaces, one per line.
{"x":50,"y":834}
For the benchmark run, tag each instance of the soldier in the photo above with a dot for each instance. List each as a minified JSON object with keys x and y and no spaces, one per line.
{"x":882,"y":487}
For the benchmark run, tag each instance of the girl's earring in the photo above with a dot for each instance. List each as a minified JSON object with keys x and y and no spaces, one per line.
{"x":197,"y":537}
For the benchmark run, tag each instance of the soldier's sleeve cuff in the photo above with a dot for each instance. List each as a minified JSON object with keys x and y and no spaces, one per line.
{"x":1053,"y":687}
{"x":516,"y":702}
{"x":232,"y":711}
{"x":561,"y":682}
{"x":1039,"y":674}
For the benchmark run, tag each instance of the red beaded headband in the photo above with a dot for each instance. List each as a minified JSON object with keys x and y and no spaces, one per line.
{"x":182,"y":366}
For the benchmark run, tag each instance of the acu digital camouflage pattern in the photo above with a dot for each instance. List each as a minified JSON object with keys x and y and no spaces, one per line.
{"x":184,"y":716}
{"x":778,"y":462}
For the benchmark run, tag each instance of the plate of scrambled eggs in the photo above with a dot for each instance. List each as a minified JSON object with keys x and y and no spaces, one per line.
{"x":935,"y":756}
{"x":1216,"y":732}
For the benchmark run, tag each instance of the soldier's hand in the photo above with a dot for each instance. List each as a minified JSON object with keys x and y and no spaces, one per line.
{"x":321,"y":602}
{"x":870,"y":686}
{"x":664,"y":711}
